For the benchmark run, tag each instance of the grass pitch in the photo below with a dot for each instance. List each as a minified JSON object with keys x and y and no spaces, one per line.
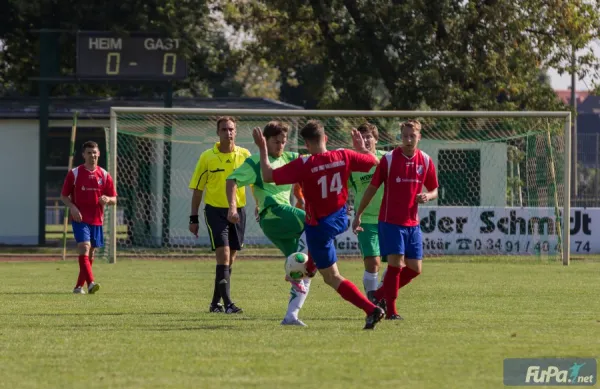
{"x":148,"y":326}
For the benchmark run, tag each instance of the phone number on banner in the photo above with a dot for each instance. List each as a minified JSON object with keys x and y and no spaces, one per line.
{"x":500,"y":246}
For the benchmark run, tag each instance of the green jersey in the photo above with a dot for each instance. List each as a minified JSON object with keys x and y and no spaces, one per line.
{"x":358,"y":183}
{"x":266,"y":193}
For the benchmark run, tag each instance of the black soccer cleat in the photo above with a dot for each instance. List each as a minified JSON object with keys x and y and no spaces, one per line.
{"x":394,"y":317}
{"x":371,"y":297}
{"x":232,"y":308}
{"x":217,"y":308}
{"x":374,"y":318}
{"x":381,"y":304}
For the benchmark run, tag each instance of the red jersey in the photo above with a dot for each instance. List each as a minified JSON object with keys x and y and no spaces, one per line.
{"x":324,"y":179}
{"x":85,"y":188}
{"x":404,"y":178}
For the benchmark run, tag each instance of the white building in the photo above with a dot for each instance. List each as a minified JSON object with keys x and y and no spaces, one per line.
{"x":29,"y":196}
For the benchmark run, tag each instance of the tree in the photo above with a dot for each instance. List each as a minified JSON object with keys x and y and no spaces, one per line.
{"x":258,"y":79}
{"x":204,"y":42}
{"x":445,"y":54}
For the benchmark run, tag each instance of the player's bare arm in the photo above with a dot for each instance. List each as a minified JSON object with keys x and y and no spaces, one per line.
{"x":265,"y":166}
{"x":194,"y":222}
{"x":300,"y":202}
{"x":230,"y":189}
{"x":364,"y":203}
{"x":256,"y":209}
{"x":107,"y":200}
{"x":427,"y":196}
{"x":72,"y":208}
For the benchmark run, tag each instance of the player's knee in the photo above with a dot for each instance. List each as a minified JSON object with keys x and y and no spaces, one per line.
{"x":84,"y":248}
{"x":395,"y":260}
{"x":222,"y":254}
{"x":414,"y":265}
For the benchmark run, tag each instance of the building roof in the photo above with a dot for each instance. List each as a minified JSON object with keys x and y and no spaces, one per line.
{"x":95,"y":108}
{"x":565,"y":95}
{"x":590,"y":105}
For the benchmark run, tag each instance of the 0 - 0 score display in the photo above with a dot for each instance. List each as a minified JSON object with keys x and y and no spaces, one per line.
{"x":137,"y":56}
{"x":113,"y":64}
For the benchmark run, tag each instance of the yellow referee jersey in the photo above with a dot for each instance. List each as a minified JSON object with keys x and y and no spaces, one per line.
{"x":211,"y":174}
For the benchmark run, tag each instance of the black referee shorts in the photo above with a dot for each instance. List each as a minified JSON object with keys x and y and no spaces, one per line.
{"x":223,"y":233}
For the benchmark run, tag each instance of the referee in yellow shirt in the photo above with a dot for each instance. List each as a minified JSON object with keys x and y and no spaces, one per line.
{"x":210,"y":176}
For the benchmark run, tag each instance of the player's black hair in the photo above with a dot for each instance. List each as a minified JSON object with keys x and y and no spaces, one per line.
{"x":90,"y":144}
{"x":367,"y":127}
{"x":225,"y":119}
{"x":275,"y":128}
{"x":313,"y":131}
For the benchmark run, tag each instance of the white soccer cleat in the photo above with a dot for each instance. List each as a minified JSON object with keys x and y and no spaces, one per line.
{"x":297,"y":285}
{"x":78,"y":290}
{"x":293,"y":322}
{"x":93,"y":288}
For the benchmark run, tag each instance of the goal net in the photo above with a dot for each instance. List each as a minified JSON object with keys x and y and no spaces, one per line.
{"x":503,"y":178}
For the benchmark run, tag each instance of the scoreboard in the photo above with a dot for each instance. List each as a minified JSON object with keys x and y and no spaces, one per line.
{"x":143,"y":56}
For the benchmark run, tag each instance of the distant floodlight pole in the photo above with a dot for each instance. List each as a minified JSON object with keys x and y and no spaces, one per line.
{"x":574,"y":119}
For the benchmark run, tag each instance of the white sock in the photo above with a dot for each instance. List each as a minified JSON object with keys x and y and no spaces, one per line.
{"x":382,"y":277}
{"x":369,"y":281}
{"x":297,"y":301}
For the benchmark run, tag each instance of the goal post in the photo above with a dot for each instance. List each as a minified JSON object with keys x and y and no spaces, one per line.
{"x":504,"y":177}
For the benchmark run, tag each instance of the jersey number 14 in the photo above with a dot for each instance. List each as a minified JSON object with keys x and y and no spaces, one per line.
{"x":335,"y":186}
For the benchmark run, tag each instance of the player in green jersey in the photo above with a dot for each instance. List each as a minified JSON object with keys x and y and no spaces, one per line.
{"x":282,"y":223}
{"x":368,"y":238}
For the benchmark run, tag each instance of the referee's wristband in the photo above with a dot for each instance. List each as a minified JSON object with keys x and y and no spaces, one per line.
{"x":194,"y":219}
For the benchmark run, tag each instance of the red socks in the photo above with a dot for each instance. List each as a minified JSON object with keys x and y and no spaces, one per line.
{"x":310,"y":265}
{"x":389,"y":279}
{"x":85,"y":271}
{"x":391,"y":284}
{"x":351,"y":293}
{"x":407,"y":275}
{"x":395,"y":278}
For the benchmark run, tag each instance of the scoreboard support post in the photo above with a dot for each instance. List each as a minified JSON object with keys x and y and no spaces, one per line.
{"x":49,"y":66}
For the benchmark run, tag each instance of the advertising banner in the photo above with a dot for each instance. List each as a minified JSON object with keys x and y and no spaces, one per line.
{"x":496,"y":231}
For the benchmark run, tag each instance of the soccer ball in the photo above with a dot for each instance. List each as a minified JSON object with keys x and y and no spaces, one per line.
{"x":295,"y":266}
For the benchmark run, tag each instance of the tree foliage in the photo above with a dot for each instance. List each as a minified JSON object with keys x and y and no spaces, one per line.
{"x":352,"y":54}
{"x":190,"y":20}
{"x":443,"y":54}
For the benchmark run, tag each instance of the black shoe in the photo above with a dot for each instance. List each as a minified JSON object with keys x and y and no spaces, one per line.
{"x":394,"y":317}
{"x":374,"y":318}
{"x":232,"y":308}
{"x":371,"y":297}
{"x":218,"y":308}
{"x":381,"y":304}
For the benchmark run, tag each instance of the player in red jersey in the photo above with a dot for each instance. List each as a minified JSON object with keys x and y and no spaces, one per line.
{"x":324,"y":176}
{"x":404,"y":171}
{"x":86,"y":190}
